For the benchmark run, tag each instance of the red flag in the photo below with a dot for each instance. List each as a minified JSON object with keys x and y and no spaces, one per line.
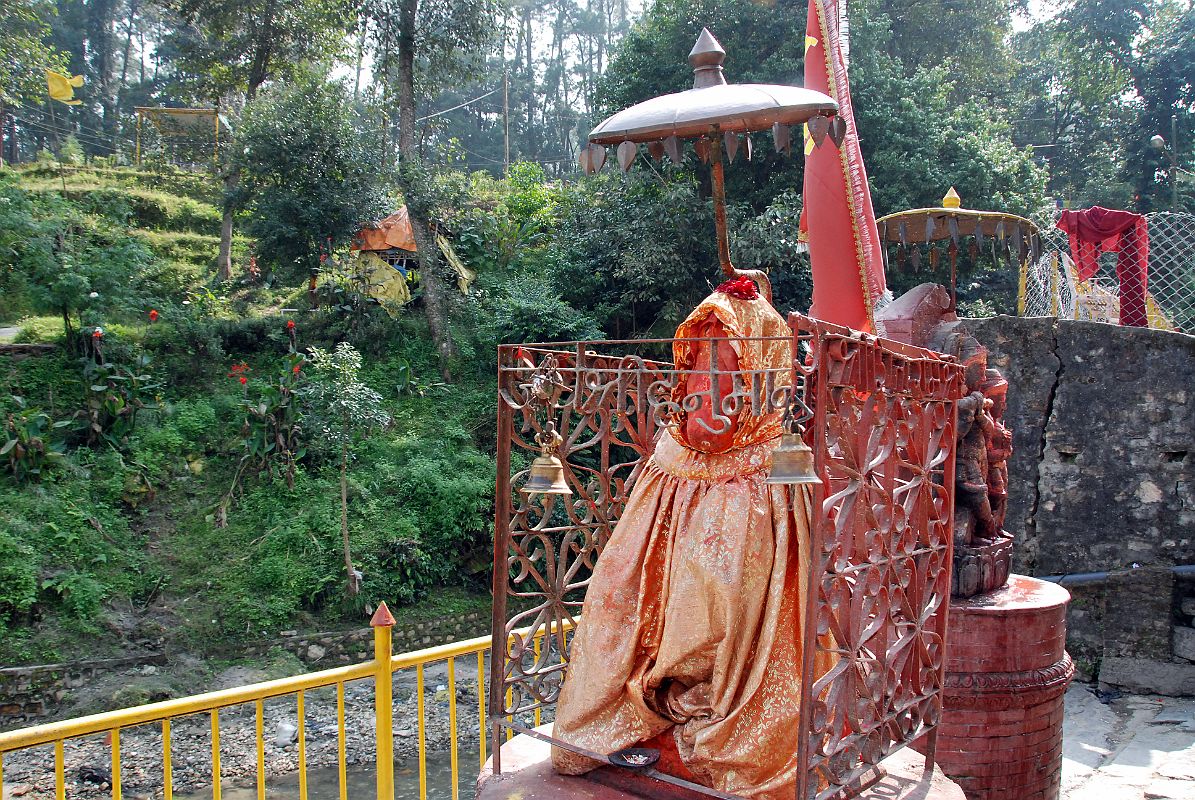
{"x":844,"y":244}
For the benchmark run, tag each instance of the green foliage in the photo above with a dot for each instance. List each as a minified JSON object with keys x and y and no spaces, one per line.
{"x":235,"y":45}
{"x":342,"y":408}
{"x":71,"y":152}
{"x":32,"y":441}
{"x":272,"y":433}
{"x":25,"y":50}
{"x":65,"y":262}
{"x":114,"y":396}
{"x":529,"y":310}
{"x":65,"y":546}
{"x":312,"y":173}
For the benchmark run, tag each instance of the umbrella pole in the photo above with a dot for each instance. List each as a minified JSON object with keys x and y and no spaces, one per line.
{"x":718,"y":181}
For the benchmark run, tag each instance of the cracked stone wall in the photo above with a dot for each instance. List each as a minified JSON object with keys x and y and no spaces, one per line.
{"x":1103,"y":476}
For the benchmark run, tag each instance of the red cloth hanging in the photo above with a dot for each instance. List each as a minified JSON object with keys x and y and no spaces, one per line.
{"x":837,"y":215}
{"x":1101,"y":230}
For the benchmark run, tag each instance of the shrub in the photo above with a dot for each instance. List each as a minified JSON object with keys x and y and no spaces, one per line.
{"x":32,"y":441}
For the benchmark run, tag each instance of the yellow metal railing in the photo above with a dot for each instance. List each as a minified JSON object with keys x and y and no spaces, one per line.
{"x":381,"y":669}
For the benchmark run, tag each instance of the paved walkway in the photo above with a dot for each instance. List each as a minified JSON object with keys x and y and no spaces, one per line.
{"x":7,"y":334}
{"x":1134,"y":747}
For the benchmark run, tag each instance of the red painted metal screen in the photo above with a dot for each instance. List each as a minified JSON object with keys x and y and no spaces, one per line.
{"x":880,"y":417}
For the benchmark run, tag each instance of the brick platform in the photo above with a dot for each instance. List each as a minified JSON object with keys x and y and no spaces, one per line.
{"x":1007,"y":670}
{"x":527,"y":774}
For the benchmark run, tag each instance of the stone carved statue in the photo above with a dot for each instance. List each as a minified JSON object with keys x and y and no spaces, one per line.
{"x":982,"y":548}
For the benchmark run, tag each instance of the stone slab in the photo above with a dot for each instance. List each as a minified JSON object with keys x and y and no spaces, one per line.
{"x":527,"y":774}
{"x":1183,"y":642}
{"x":1144,"y":675}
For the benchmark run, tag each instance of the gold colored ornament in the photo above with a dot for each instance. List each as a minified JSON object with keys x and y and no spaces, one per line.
{"x":547,"y":470}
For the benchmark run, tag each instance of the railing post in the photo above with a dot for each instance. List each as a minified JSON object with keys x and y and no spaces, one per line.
{"x":383,"y":700}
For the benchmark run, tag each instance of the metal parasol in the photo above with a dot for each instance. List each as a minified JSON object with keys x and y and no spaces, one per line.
{"x":717,"y":115}
{"x":1017,"y":238}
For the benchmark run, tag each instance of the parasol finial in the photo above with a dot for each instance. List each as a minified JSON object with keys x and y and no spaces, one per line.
{"x":706,"y":57}
{"x":952,"y":200}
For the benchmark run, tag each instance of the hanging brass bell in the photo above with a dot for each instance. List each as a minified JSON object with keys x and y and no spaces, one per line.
{"x":792,"y":462}
{"x":547,"y":476}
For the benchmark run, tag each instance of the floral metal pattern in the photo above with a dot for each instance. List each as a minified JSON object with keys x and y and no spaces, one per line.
{"x":880,"y":417}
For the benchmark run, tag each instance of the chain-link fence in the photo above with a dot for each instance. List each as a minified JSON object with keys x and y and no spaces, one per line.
{"x":1053,"y":288}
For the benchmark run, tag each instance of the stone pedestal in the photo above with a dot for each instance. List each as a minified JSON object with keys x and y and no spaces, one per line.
{"x":1006,"y":672}
{"x":527,"y":774}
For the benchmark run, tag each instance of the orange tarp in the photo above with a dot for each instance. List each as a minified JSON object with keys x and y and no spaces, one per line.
{"x":394,"y":231}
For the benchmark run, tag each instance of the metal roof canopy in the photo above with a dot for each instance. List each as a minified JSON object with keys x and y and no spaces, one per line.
{"x":184,"y":123}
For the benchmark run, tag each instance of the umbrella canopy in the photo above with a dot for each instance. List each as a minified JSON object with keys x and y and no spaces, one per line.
{"x":950,"y":220}
{"x":713,"y":104}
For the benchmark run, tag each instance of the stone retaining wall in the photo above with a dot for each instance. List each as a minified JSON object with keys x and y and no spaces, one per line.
{"x":321,"y":650}
{"x":18,"y":352}
{"x":1103,"y":480}
{"x":32,"y":691}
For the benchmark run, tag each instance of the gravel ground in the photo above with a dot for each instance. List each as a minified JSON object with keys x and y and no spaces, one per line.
{"x":30,"y":773}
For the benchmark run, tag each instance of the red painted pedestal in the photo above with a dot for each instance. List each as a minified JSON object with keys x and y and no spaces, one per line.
{"x":1007,"y":670}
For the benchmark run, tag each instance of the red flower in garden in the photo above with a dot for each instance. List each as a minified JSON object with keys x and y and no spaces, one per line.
{"x":323,"y":258}
{"x":238,"y":371}
{"x":295,"y":369}
{"x":244,"y":380}
{"x":290,"y":324}
{"x":98,"y":333}
{"x":153,"y":315}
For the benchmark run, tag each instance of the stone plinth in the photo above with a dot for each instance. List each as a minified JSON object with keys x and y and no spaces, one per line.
{"x":527,"y":774}
{"x":1006,"y":672}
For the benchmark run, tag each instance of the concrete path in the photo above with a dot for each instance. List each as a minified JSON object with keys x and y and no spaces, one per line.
{"x":1134,"y":747}
{"x":7,"y":334}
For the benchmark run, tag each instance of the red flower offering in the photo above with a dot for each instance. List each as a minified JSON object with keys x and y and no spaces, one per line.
{"x":742,"y":288}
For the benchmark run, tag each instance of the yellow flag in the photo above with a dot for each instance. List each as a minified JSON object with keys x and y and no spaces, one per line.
{"x":62,"y":88}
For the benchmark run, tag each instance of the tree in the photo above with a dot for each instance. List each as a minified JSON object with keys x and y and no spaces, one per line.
{"x":312,"y":172}
{"x":66,"y":264}
{"x":1166,"y":84}
{"x":431,"y":41}
{"x":237,"y":45}
{"x":25,"y":51}
{"x":345,"y":410}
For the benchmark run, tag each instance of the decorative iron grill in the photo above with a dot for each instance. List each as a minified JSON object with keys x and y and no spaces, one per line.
{"x":881,"y":420}
{"x":1053,"y":289}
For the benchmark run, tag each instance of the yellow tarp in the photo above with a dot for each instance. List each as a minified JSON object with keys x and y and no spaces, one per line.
{"x":386,"y":284}
{"x":464,"y":275}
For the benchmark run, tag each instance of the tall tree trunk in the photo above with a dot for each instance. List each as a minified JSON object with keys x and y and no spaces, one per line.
{"x":258,"y":72}
{"x":354,"y":584}
{"x":435,"y":292}
{"x":232,"y":180}
{"x":128,"y":45}
{"x":101,"y":17}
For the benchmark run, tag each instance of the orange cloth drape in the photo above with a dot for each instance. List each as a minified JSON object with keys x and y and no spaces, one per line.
{"x":692,"y":621}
